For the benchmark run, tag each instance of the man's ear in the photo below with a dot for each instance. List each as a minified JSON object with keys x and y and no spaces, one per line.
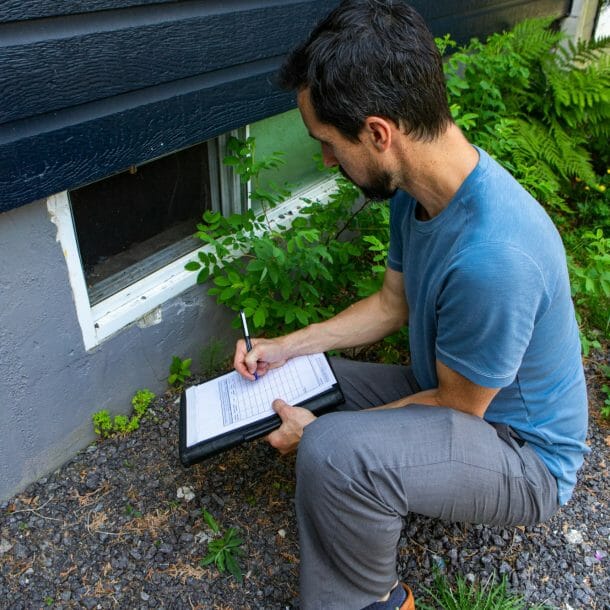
{"x":379,"y":131}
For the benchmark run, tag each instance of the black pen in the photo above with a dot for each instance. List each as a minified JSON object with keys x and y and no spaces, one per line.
{"x":244,"y":327}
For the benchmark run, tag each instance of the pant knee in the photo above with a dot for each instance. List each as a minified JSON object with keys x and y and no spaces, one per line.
{"x":322,"y":460}
{"x":314,"y":446}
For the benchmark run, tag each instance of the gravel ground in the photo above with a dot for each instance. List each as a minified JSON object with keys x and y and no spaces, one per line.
{"x":121,"y":526}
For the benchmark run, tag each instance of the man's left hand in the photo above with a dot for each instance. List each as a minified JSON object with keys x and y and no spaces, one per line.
{"x":294,"y":419}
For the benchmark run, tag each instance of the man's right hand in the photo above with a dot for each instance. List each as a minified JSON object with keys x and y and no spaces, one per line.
{"x":265,"y":354}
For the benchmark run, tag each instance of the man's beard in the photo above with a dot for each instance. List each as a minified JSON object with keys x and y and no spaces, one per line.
{"x":378,"y":189}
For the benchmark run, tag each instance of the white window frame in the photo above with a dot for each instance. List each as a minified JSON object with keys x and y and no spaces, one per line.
{"x":104,"y":319}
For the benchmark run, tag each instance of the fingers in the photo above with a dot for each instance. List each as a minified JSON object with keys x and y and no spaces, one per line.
{"x":279,"y":406}
{"x":245,"y":362}
{"x":265,"y":355}
{"x":294,"y":419}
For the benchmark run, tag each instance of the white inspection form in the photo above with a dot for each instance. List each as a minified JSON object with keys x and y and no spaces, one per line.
{"x":230,"y":401}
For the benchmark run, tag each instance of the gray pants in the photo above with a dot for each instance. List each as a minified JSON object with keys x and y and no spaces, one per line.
{"x":360,"y":473}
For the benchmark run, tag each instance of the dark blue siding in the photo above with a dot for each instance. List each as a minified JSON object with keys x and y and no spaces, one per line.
{"x":90,"y":87}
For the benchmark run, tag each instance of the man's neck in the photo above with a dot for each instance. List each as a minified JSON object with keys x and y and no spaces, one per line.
{"x":434,"y":171}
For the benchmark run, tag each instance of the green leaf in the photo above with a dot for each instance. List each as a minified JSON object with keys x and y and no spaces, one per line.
{"x":302,"y":316}
{"x":211,"y":217}
{"x":285,"y":291}
{"x":221,"y":280}
{"x":209,"y":519}
{"x":255,"y":265}
{"x":260,"y":315}
{"x":228,"y":293}
{"x":233,"y":567}
{"x":192,"y":266}
{"x":207,"y":560}
{"x":273,"y":274}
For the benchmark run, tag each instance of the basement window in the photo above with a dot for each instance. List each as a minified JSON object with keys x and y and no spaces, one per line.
{"x":127,"y":238}
{"x":135,"y":223}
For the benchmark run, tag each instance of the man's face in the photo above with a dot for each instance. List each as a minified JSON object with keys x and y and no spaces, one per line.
{"x":352,"y":158}
{"x":378,"y":188}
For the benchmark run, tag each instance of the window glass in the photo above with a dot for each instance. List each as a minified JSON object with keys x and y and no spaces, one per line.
{"x":286,"y":133}
{"x":136,"y":222}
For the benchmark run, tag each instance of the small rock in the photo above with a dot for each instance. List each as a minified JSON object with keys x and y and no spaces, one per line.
{"x":5,"y":546}
{"x":202,"y":537}
{"x":218,"y":499}
{"x":574,"y":537}
{"x":281,"y":533}
{"x":185,"y":492}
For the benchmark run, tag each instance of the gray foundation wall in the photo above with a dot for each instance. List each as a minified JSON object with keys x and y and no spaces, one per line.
{"x":49,"y":385}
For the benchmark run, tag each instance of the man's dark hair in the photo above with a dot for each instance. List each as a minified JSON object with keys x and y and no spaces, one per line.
{"x":372,"y":57}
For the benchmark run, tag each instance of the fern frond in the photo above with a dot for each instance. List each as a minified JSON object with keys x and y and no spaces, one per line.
{"x":551,"y":146}
{"x":571,"y":54}
{"x":581,"y":95}
{"x":533,"y":38}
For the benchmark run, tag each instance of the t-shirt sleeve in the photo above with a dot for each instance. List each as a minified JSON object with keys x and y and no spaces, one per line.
{"x":486,"y":309}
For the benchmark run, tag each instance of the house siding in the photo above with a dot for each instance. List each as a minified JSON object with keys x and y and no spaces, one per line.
{"x":90,"y":88}
{"x":49,"y":384}
{"x":87,"y":89}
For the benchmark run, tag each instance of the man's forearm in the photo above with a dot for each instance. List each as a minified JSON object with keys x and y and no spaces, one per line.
{"x":365,"y":322}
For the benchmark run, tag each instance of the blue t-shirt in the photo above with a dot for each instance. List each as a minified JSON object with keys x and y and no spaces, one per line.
{"x":489,"y":296}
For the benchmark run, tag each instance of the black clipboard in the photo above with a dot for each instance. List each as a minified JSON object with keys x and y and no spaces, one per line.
{"x":319,"y":404}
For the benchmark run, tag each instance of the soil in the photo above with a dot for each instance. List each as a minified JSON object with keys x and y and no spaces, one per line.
{"x":121,"y":526}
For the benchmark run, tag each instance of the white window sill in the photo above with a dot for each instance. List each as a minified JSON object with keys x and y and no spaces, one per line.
{"x":131,"y":304}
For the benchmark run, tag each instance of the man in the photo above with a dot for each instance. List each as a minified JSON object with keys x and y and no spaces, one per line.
{"x":489,"y":424}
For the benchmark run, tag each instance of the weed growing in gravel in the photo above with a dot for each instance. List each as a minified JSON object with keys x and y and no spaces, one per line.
{"x":224,"y":550}
{"x":105,"y":426}
{"x":179,"y":371}
{"x":141,"y":401}
{"x":463,"y":596}
{"x":132,"y":512}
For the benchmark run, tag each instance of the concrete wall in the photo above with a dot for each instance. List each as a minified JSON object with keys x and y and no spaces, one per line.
{"x":580,"y":22}
{"x":49,"y":385}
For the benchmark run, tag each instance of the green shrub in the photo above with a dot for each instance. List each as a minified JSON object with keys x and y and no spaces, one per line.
{"x":286,"y":276}
{"x":536,"y":101}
